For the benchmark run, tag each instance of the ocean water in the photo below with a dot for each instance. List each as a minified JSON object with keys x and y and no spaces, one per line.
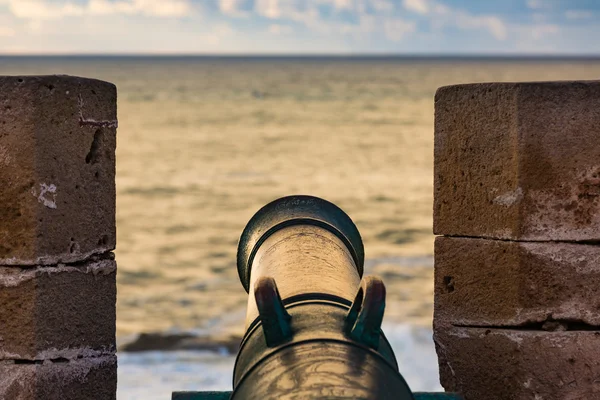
{"x":203,"y":143}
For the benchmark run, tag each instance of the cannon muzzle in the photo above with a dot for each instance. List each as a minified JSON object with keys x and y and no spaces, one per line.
{"x":313,"y":327}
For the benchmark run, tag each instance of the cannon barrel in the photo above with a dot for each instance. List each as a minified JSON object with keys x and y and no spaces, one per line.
{"x":313,"y":327}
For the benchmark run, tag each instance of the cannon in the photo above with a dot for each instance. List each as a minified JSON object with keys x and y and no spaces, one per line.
{"x":313,"y":328}
{"x":313,"y":323}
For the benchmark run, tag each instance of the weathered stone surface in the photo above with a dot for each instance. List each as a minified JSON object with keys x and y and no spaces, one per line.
{"x":57,"y":169}
{"x":481,"y":282}
{"x":49,"y":309}
{"x":517,"y":161}
{"x":496,"y":364}
{"x":79,"y":379}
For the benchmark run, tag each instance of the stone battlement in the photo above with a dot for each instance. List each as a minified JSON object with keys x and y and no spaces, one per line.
{"x":57,"y":269}
{"x":517,"y":271}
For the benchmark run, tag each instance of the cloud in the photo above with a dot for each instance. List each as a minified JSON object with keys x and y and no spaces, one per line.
{"x":574,"y":15}
{"x":163,"y":8}
{"x":539,"y":17}
{"x":6,"y":31}
{"x":229,"y":6}
{"x":538,"y":32}
{"x":104,"y":7}
{"x":538,"y":38}
{"x":301,"y":12}
{"x":441,"y":15}
{"x":277,"y":29}
{"x":371,"y":17}
{"x":382,"y":5}
{"x":342,"y":4}
{"x":38,"y":9}
{"x":537,"y":4}
{"x":490,"y":23}
{"x":418,"y":6}
{"x":45,"y":10}
{"x":155,"y":8}
{"x":336,"y":4}
{"x":268,"y":8}
{"x":306,"y":26}
{"x":234,"y":8}
{"x":395,"y":29}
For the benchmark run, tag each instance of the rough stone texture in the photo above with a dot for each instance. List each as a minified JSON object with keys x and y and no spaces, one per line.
{"x":480,"y":282}
{"x":79,"y":379}
{"x":496,"y":364}
{"x":57,"y":169}
{"x":518,"y":161}
{"x":47,"y":309}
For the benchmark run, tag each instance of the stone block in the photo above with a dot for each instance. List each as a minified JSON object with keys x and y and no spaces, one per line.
{"x":49,"y":309}
{"x":57,"y":169}
{"x":62,"y":379}
{"x":518,"y":161}
{"x":498,"y":364}
{"x":481,"y":282}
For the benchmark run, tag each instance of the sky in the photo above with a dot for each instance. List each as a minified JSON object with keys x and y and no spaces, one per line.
{"x":460,"y":27}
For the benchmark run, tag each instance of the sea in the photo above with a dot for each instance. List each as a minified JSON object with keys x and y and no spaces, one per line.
{"x":204,"y":142}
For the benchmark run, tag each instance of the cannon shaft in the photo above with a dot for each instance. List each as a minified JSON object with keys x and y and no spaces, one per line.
{"x":313,"y":326}
{"x":303,"y":260}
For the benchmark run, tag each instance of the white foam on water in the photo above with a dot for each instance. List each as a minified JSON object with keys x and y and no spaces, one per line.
{"x":155,"y":375}
{"x":415,"y":353}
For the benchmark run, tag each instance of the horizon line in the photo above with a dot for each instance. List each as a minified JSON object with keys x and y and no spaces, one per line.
{"x":313,"y":55}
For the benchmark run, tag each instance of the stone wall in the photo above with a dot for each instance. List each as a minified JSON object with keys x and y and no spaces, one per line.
{"x":517,"y":270}
{"x":57,"y":233}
